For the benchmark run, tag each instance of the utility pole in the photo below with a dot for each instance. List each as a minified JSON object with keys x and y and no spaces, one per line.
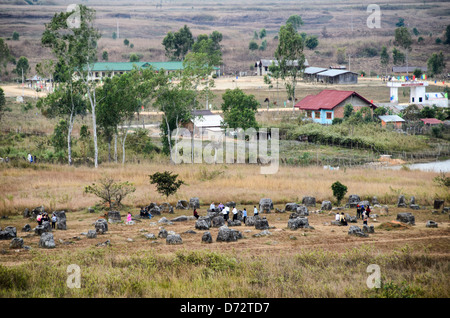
{"x":22,"y":85}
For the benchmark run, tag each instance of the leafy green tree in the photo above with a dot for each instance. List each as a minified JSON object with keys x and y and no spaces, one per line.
{"x":428,"y":112}
{"x":76,"y":50}
{"x":59,"y":137}
{"x":380,"y":111}
{"x":262,"y":33}
{"x":276,"y":74}
{"x":177,"y":44}
{"x":447,"y":35}
{"x":400,"y":23}
{"x":263,"y":45}
{"x":114,"y":35}
{"x":110,"y":191}
{"x":311,"y":42}
{"x":126,"y":42}
{"x":417,"y":73}
{"x":239,"y":109}
{"x":295,"y":20}
{"x":341,"y":55}
{"x":404,"y":40}
{"x":339,"y":191}
{"x":252,"y":46}
{"x":411,"y":112}
{"x":384,"y":58}
{"x":397,"y":57}
{"x":105,"y":56}
{"x":436,"y":63}
{"x":134,"y":57}
{"x":166,"y":182}
{"x":290,"y":57}
{"x":15,"y":36}
{"x":348,"y":110}
{"x":2,"y":102}
{"x":5,"y":55}
{"x":22,"y":65}
{"x":415,"y":31}
{"x":210,"y":46}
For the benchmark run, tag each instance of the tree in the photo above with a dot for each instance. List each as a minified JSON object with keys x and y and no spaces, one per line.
{"x":134,"y":57}
{"x":436,"y":63}
{"x":75,"y":47}
{"x":210,"y":46}
{"x":22,"y":66}
{"x":114,"y":35}
{"x":252,"y":46}
{"x":415,"y":31}
{"x":262,"y":33}
{"x":384,"y":58}
{"x":311,"y":42}
{"x":5,"y":54}
{"x":348,"y":110}
{"x":110,"y":192}
{"x":295,"y":20}
{"x":400,"y":23}
{"x":404,"y":40}
{"x":263,"y":45}
{"x":341,"y":55}
{"x":290,"y":57}
{"x":59,"y":137}
{"x":339,"y":191}
{"x":105,"y":56}
{"x":126,"y":42}
{"x":417,"y":73}
{"x":411,"y":112}
{"x":428,"y":112}
{"x":239,"y":109}
{"x":166,"y":182}
{"x":2,"y":102}
{"x":397,"y":57}
{"x":177,"y":44}
{"x":447,"y":35}
{"x":15,"y":36}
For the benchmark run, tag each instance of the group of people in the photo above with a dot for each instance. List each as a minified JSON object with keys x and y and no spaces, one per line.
{"x":225,"y":210}
{"x":145,"y":213}
{"x":43,"y":217}
{"x":362,"y":212}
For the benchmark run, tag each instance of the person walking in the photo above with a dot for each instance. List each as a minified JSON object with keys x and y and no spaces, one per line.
{"x":235,"y":212}
{"x":39,"y":219}
{"x":54,"y":221}
{"x":255,"y":210}
{"x":364,"y":217}
{"x":244,"y":214}
{"x":358,"y":211}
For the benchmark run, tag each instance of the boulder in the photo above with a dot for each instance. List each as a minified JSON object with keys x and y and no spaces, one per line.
{"x":407,"y":218}
{"x":384,"y":210}
{"x":445,"y":210}
{"x":412,"y":201}
{"x":207,"y":238}
{"x":202,"y":224}
{"x":91,"y":234}
{"x":150,"y":236}
{"x":291,"y":207}
{"x":16,"y":242}
{"x":61,"y":220}
{"x":351,"y":219}
{"x":368,"y":229}
{"x":234,"y":223}
{"x":262,"y":233}
{"x":163,"y":233}
{"x":91,"y":210}
{"x":228,"y":235}
{"x":375,"y":201}
{"x":46,"y":240}
{"x":301,"y":211}
{"x":337,"y":223}
{"x":194,"y":203}
{"x":326,"y":206}
{"x":431,"y":224}
{"x":355,"y":230}
{"x":182,"y":205}
{"x":101,"y":226}
{"x":401,"y":203}
{"x":353,"y":200}
{"x":26,"y":213}
{"x":251,"y":220}
{"x":181,"y":218}
{"x":166,"y":208}
{"x":114,"y":216}
{"x":44,"y":228}
{"x":262,"y":224}
{"x":364,"y":203}
{"x":8,"y":233}
{"x":154,"y":210}
{"x":37,"y":210}
{"x":218,"y":221}
{"x":309,"y":201}
{"x":26,"y":228}
{"x":207,"y":219}
{"x":231,"y":204}
{"x":265,"y":205}
{"x":414,"y":207}
{"x":174,"y":239}
{"x":298,"y":222}
{"x":438,"y":203}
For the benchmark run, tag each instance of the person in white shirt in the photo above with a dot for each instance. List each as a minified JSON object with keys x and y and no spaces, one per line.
{"x":255,"y":211}
{"x":225,"y":212}
{"x":212,"y":206}
{"x":235,"y":211}
{"x":338,"y":217}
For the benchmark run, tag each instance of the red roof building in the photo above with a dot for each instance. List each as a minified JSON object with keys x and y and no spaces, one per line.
{"x":431,"y":121}
{"x":329,"y":104}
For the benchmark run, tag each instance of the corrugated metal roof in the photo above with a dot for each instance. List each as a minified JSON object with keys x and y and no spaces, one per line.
{"x":327,"y":99}
{"x":404,"y":69}
{"x":391,"y":118}
{"x":208,"y":121}
{"x":128,"y":66}
{"x":333,"y":73}
{"x":431,"y":121}
{"x":314,"y":70}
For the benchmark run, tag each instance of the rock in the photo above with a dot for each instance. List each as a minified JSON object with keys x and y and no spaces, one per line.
{"x":375,"y":201}
{"x":338,"y":223}
{"x":265,"y":205}
{"x":106,"y":243}
{"x":368,"y":229}
{"x":445,"y":210}
{"x":353,"y":200}
{"x":190,"y":232}
{"x":401,"y":203}
{"x":26,"y":213}
{"x":101,"y":226}
{"x":181,"y":218}
{"x":364,"y":202}
{"x":91,"y":234}
{"x":61,"y":220}
{"x":438,"y":203}
{"x":384,"y":210}
{"x":231,"y":205}
{"x":174,"y":239}
{"x":277,"y":210}
{"x":326,"y":206}
{"x":154,"y":210}
{"x":194,"y":203}
{"x":262,"y":233}
{"x":228,"y":235}
{"x":291,"y":207}
{"x":37,"y":210}
{"x":412,"y":201}
{"x":150,"y":236}
{"x":166,"y":208}
{"x":299,"y":222}
{"x":44,"y":228}
{"x":414,"y":207}
{"x":164,"y":220}
{"x":202,"y":225}
{"x":182,"y":205}
{"x":163,"y":233}
{"x":355,"y":230}
{"x":251,"y":220}
{"x":8,"y":233}
{"x":407,"y":218}
{"x":26,"y":228}
{"x":431,"y":224}
{"x":207,"y":219}
{"x":114,"y":216}
{"x":302,"y":210}
{"x":16,"y":242}
{"x":91,"y":210}
{"x":309,"y":201}
{"x":262,"y":224}
{"x":234,"y":223}
{"x":207,"y":238}
{"x":46,"y":240}
{"x":351,"y":219}
{"x":218,"y":221}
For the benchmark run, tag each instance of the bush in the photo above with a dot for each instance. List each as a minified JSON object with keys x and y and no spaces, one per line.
{"x":339,"y":191}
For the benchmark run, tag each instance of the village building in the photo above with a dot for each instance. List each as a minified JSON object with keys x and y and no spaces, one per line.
{"x":262,"y":66}
{"x":418,"y":94}
{"x":332,"y":76}
{"x":404,"y":70}
{"x":431,"y":121}
{"x":310,"y":73}
{"x":393,"y":120}
{"x":205,"y":124}
{"x":329,"y":104}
